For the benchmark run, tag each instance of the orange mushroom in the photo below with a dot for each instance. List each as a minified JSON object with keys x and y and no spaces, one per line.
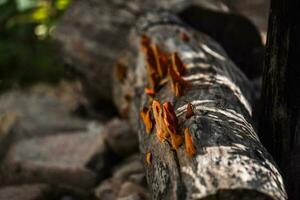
{"x":146,"y":117}
{"x":189,"y":146}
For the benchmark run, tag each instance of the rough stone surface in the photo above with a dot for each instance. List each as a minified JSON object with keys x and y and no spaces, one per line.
{"x":120,"y":138}
{"x":24,"y":192}
{"x":130,"y":189}
{"x":116,"y":189}
{"x":108,"y":189}
{"x":59,"y":159}
{"x":42,"y":110}
{"x":131,"y":197}
{"x":131,"y":169}
{"x":77,"y":159}
{"x":128,"y":181}
{"x":7,"y":121}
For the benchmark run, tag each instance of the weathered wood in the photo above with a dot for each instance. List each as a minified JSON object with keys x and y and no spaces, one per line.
{"x":280,"y":119}
{"x":92,"y":34}
{"x":246,"y":50}
{"x":230,"y":162}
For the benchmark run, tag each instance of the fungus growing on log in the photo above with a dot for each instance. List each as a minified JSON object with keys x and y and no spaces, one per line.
{"x":189,"y":111}
{"x":171,"y":124}
{"x":149,"y":158}
{"x":146,"y":117}
{"x":184,"y":36}
{"x":178,"y":84}
{"x":177,"y":64}
{"x":150,"y":91}
{"x":161,"y":59}
{"x":166,"y":123}
{"x":151,"y":65}
{"x":157,"y":110}
{"x":189,"y":146}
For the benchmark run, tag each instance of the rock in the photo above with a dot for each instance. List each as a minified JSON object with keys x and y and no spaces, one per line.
{"x":42,"y":110}
{"x":120,"y":138}
{"x":114,"y":149}
{"x":116,"y":189}
{"x":58,"y":160}
{"x":139,"y":179}
{"x":24,"y":192}
{"x":130,"y":167}
{"x":128,"y":189}
{"x":108,"y":189}
{"x":76,"y":159}
{"x":7,"y":121}
{"x":131,"y":197}
{"x":127,"y":182}
{"x":70,"y":94}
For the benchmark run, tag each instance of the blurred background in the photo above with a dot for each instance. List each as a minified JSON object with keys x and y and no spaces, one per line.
{"x":26,"y":26}
{"x":27,"y":54}
{"x":26,"y":51}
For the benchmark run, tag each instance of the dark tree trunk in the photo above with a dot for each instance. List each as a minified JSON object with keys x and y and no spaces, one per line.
{"x":220,"y":155}
{"x":280,"y":119}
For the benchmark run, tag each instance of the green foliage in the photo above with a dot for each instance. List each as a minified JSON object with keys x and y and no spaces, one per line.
{"x":26,"y":53}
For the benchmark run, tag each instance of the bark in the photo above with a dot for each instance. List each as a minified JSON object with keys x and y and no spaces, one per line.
{"x":230,"y":162}
{"x":92,"y":34}
{"x":279,"y":123}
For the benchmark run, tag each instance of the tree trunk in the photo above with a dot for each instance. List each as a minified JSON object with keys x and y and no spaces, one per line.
{"x":280,"y":119}
{"x":206,"y":148}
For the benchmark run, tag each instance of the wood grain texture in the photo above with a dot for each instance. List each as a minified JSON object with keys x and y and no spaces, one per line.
{"x":230,"y":162}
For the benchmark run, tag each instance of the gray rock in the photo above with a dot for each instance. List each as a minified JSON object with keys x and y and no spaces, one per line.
{"x":130,"y":167}
{"x":131,"y":197}
{"x":24,"y":192}
{"x":108,"y":189}
{"x":58,"y":160}
{"x":130,"y":189}
{"x":120,"y":138}
{"x":118,"y":143}
{"x":116,"y":189}
{"x":43,"y":110}
{"x":138,"y":178}
{"x":7,"y":121}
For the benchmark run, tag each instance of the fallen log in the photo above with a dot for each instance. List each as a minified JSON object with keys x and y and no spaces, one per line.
{"x":191,"y":107}
{"x":92,"y":33}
